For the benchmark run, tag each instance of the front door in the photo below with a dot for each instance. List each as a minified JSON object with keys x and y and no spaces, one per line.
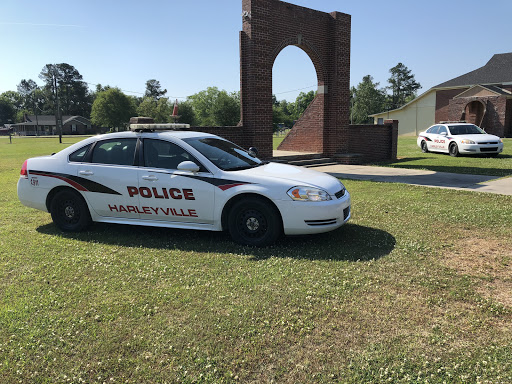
{"x":167,"y":194}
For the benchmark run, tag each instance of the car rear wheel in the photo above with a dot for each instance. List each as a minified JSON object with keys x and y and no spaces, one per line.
{"x":254,"y":222}
{"x":69,"y":211}
{"x":454,"y":150}
{"x":424,"y":147}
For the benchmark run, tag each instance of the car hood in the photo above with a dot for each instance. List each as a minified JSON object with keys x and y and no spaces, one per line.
{"x":294,"y":175}
{"x":478,"y":137}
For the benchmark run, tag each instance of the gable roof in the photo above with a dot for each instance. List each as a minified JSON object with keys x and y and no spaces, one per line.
{"x":50,"y":120}
{"x":498,"y":70}
{"x":482,"y":91}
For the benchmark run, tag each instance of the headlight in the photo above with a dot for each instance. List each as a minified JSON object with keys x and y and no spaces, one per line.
{"x":466,"y":141}
{"x":501,"y":140}
{"x":308,"y":194}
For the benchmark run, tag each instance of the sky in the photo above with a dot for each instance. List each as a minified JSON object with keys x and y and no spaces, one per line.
{"x":191,"y":45}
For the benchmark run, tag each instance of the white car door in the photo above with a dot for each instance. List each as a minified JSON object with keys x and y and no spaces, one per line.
{"x":167,"y":194}
{"x":108,"y":176}
{"x":441,"y":139}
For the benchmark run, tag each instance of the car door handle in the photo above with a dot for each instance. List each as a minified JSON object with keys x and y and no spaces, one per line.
{"x":150,"y":178}
{"x":86,"y":173}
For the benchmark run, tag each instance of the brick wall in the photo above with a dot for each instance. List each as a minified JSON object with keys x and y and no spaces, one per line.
{"x":443,"y":103}
{"x":371,"y":143}
{"x":494,"y":121}
{"x":307,"y":133}
{"x":325,"y":38}
{"x":508,"y":119}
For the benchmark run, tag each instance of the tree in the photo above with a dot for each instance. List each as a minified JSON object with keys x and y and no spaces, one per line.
{"x":32,"y":96}
{"x":160,"y":110}
{"x":282,"y":113}
{"x":65,"y":82}
{"x":213,"y":107}
{"x":113,"y":109}
{"x":403,"y":86}
{"x":302,"y":102}
{"x":186,"y":113}
{"x":7,"y":111}
{"x":154,"y":89}
{"x":367,"y":99}
{"x":226,"y":109}
{"x":15,"y":101}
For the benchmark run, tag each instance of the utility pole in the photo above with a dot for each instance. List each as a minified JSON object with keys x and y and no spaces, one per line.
{"x":58,"y":117}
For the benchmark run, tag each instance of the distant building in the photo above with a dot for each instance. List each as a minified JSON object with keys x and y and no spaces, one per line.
{"x":482,"y":97}
{"x":44,"y":125}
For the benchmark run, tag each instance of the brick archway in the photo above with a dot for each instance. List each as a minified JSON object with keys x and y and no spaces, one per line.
{"x":268,"y":27}
{"x":474,"y":112}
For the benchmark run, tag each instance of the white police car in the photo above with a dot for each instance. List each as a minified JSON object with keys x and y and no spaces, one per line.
{"x":459,"y":138}
{"x":181,"y":179}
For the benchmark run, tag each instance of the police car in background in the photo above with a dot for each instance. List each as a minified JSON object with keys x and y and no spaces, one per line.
{"x":167,"y":176}
{"x":459,"y":138}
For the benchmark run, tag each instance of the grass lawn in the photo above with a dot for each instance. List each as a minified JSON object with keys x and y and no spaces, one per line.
{"x":416,"y":288}
{"x":410,"y":156}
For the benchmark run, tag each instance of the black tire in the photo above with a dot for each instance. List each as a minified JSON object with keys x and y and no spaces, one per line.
{"x":69,"y":211}
{"x":424,"y":147}
{"x":454,"y":150}
{"x":255,"y":222}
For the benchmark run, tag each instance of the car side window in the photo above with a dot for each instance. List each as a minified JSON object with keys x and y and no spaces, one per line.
{"x":80,"y":154}
{"x":433,"y":129}
{"x":164,"y":154}
{"x":442,"y":130}
{"x":117,"y":152}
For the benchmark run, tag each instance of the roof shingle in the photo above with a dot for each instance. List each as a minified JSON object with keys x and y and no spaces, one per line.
{"x":498,"y":70}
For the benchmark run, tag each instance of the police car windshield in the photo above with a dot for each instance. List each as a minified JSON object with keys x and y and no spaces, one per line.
{"x":224,"y":154}
{"x":468,"y":129}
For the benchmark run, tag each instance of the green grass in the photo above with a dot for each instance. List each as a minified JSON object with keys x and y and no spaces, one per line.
{"x":410,"y":156}
{"x":416,"y":288}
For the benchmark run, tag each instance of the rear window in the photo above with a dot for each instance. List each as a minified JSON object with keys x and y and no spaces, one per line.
{"x":79,"y":155}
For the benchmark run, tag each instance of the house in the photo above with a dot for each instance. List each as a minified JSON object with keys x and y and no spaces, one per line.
{"x":44,"y":125}
{"x":482,"y":97}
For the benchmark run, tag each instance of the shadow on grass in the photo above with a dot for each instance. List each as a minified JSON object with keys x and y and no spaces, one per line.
{"x":487,"y":169}
{"x":349,"y":243}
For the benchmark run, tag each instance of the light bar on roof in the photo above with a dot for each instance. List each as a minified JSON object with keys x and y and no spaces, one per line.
{"x":158,"y":127}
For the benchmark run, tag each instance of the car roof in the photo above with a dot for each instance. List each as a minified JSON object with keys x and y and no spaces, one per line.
{"x":159,"y":134}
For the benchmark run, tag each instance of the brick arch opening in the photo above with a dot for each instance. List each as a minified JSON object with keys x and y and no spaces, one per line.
{"x":268,"y":27}
{"x":474,"y":112}
{"x":311,"y":140}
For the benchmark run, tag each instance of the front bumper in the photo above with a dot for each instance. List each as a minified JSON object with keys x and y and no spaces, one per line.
{"x":480,"y":149}
{"x":301,"y":218}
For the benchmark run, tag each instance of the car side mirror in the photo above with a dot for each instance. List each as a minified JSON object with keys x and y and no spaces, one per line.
{"x":253,"y":151}
{"x":188,"y":166}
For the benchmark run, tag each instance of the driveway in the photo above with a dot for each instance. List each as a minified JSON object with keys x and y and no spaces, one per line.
{"x":478,"y":183}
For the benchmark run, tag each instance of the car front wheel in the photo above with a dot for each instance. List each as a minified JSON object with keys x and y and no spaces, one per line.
{"x":254,"y":222}
{"x":69,"y":211}
{"x":424,"y":147}
{"x":454,"y":150}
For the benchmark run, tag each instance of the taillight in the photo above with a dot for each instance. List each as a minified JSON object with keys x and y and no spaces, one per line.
{"x":24,"y":170}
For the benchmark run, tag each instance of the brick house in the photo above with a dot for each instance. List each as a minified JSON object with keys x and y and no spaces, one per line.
{"x":482,"y":97}
{"x":44,"y":125}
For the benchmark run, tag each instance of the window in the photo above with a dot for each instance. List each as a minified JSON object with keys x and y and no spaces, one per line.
{"x":442,"y":130}
{"x":73,"y":128}
{"x":119,"y":151}
{"x":79,"y":156}
{"x":380,"y":121}
{"x":164,"y":154}
{"x":224,"y":154}
{"x":433,"y":129}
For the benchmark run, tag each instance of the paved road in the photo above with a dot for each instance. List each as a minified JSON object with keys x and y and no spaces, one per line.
{"x":478,"y":183}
